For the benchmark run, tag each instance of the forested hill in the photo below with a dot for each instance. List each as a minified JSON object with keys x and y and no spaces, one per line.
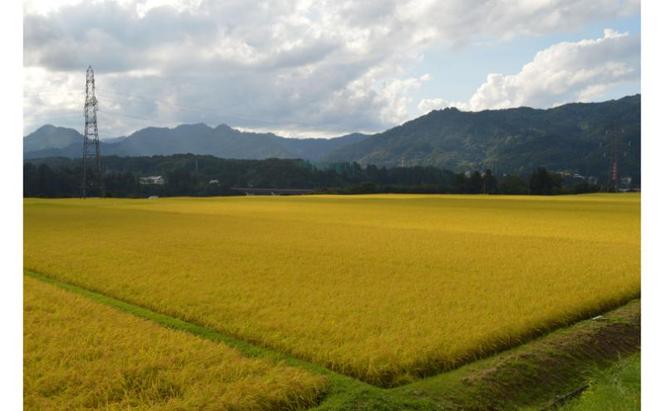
{"x":578,"y":138}
{"x":572,"y":137}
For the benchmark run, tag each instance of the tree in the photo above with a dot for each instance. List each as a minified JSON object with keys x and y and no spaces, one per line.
{"x":489,"y":183}
{"x":474,"y":183}
{"x":58,"y":177}
{"x":512,"y":185}
{"x":541,"y":182}
{"x":459,"y":183}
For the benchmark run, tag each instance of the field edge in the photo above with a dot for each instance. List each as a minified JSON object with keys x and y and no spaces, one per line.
{"x":483,"y":383}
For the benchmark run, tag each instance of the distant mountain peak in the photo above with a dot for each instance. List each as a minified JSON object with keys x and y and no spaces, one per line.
{"x":193,"y":126}
{"x":50,"y":127}
{"x":49,"y":136}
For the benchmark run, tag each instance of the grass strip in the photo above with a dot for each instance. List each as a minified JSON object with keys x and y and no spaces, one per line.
{"x":338,"y":383}
{"x":616,"y":388}
{"x":531,"y":374}
{"x":82,"y":354}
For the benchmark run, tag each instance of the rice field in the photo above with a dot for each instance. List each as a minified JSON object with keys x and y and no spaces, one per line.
{"x":384,"y":288}
{"x":79,"y":354}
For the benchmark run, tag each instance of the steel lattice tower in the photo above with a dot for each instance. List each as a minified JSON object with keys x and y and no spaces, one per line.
{"x":91,"y":152}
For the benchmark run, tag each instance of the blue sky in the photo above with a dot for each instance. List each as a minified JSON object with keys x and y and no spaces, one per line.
{"x":317,"y":69}
{"x":457,"y":72}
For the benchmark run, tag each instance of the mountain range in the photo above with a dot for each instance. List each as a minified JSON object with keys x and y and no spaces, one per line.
{"x":221,"y":141}
{"x":577,"y":137}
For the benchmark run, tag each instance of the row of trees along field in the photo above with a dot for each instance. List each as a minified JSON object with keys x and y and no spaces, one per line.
{"x":194,"y":175}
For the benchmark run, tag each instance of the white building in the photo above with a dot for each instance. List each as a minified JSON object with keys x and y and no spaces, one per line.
{"x":158,"y":180}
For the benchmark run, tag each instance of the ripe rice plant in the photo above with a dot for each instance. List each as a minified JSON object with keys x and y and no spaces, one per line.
{"x":79,"y":354}
{"x":386,"y":288}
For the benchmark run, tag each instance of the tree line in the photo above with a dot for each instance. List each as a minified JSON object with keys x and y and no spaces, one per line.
{"x":198,"y":175}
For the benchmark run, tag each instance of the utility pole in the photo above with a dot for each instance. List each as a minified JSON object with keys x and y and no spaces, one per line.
{"x":91,"y":152}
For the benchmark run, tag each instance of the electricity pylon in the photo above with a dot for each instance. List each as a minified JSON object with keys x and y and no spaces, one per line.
{"x":91,"y":152}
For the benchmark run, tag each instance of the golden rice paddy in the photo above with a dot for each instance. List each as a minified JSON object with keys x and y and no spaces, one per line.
{"x":79,"y":354}
{"x":385,"y":288}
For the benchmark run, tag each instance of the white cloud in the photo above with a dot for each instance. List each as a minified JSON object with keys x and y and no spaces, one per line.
{"x":565,"y":72}
{"x":313,"y":66}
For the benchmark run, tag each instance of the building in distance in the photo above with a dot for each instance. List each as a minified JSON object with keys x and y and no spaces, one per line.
{"x":151,"y":180}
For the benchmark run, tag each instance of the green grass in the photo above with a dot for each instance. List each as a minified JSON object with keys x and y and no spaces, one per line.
{"x":616,"y":388}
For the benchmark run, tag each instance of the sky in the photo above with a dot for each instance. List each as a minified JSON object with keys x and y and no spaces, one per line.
{"x":304,"y":68}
